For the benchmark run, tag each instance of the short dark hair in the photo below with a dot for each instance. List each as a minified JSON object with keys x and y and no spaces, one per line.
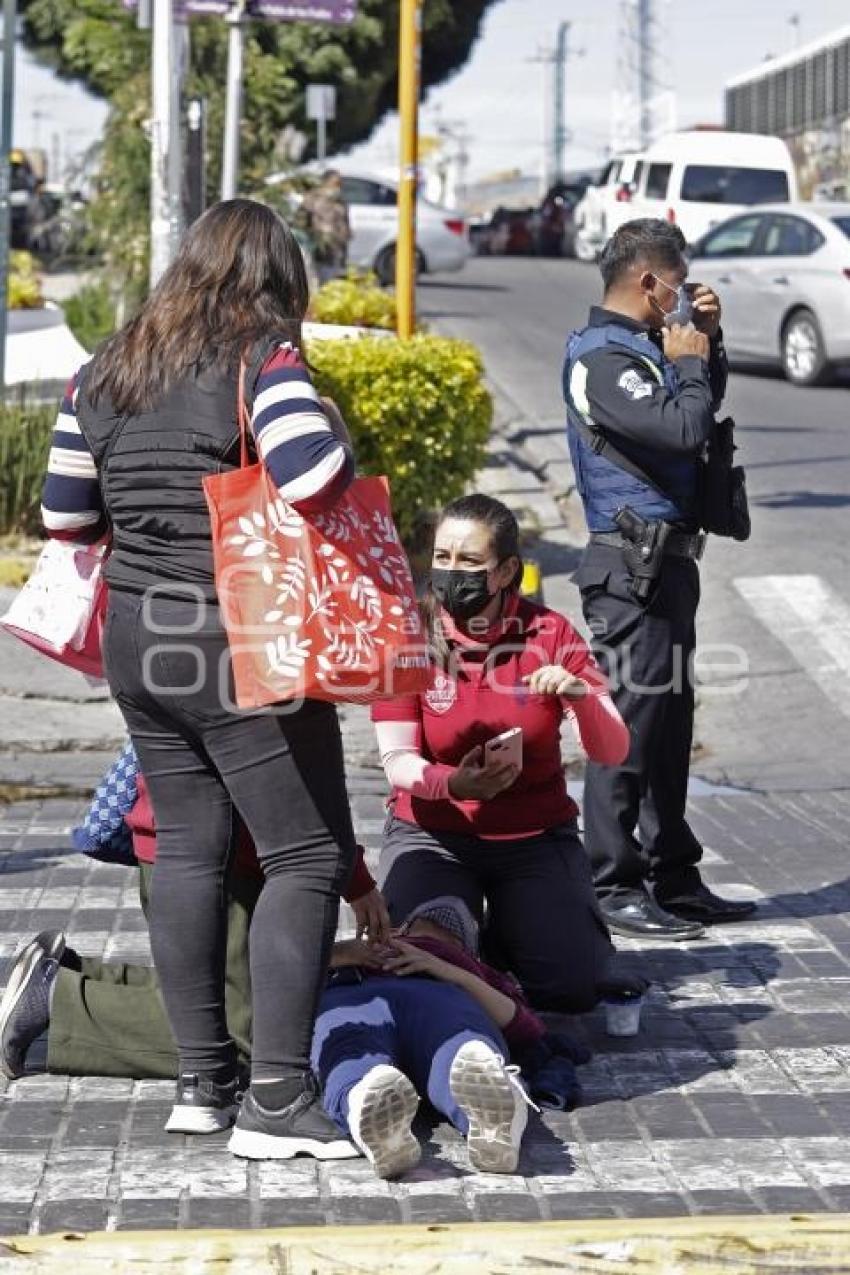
{"x":647,"y":239}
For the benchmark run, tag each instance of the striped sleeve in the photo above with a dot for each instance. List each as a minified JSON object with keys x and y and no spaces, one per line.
{"x":71,"y":503}
{"x":309,"y":465}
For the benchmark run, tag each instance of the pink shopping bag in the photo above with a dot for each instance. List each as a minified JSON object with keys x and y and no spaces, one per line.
{"x":60,"y":609}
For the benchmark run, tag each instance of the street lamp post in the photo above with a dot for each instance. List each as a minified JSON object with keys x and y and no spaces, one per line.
{"x":233,"y":101}
{"x":410,"y":48}
{"x":166,"y":220}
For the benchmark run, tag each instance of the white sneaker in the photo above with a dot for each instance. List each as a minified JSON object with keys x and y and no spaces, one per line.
{"x":381,"y":1108}
{"x":494,"y":1101}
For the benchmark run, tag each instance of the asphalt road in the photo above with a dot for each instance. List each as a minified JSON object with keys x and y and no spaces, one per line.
{"x":775,"y":619}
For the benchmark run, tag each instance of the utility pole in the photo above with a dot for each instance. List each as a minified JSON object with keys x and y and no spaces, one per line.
{"x":646,"y":77}
{"x":643,"y":104}
{"x":233,"y":102}
{"x":7,"y":105}
{"x":410,"y":52}
{"x":559,"y":132}
{"x":165,"y":198}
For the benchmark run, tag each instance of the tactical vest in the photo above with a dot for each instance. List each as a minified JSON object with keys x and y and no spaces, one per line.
{"x":151,"y":478}
{"x":603,"y":485}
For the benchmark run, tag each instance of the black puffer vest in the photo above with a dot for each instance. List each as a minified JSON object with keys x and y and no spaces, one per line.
{"x":151,"y":478}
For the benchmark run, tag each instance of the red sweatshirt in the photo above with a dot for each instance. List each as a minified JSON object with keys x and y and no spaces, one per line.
{"x":480,"y":694}
{"x":140,"y":821}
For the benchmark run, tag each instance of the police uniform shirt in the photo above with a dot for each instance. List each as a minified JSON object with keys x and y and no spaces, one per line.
{"x":626,"y":398}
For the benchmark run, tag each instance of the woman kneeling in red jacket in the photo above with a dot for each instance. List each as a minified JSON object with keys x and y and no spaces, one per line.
{"x":463,"y":821}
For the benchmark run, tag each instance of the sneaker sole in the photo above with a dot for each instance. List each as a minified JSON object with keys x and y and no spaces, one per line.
{"x":383,"y":1126}
{"x":22,"y":967}
{"x":251,"y":1145}
{"x":185,"y":1119}
{"x":497,"y":1114}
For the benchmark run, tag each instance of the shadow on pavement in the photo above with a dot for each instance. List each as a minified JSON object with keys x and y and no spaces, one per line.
{"x":804,"y":500}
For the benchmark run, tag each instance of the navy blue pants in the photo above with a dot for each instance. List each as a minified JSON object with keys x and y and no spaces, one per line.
{"x":415,"y":1024}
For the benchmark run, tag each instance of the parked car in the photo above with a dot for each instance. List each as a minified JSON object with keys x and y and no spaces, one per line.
{"x":698,"y":178}
{"x":555,"y":233}
{"x":442,"y":233}
{"x":783,"y":275}
{"x":604,"y":205}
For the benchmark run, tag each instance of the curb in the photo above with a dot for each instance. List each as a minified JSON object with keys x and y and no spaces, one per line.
{"x":660,"y":1246}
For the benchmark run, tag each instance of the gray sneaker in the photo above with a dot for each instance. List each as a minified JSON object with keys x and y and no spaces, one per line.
{"x":202,"y":1106}
{"x":381,"y":1108}
{"x":491,"y":1095}
{"x":25,"y":1007}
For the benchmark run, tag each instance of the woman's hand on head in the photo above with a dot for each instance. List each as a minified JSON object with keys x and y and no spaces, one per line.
{"x":406,"y":958}
{"x":372,"y":917}
{"x":553,"y":679}
{"x":477,"y":779}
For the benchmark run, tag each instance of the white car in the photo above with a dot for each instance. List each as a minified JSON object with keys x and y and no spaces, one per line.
{"x":783,"y":276}
{"x":605,"y":205}
{"x":442,"y":233}
{"x":699,"y":177}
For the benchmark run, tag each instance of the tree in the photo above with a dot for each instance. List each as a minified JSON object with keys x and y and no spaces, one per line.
{"x":96,"y":42}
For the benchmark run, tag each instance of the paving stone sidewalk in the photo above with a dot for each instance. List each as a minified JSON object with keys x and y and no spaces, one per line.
{"x":735,"y":1097}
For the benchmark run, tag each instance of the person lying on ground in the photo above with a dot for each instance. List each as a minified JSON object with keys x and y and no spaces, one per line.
{"x":108,"y":1019}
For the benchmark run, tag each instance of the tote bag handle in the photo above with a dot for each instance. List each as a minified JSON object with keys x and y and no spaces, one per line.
{"x":244,"y":418}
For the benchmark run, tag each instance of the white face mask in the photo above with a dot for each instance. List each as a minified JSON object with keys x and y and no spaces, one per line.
{"x":683,"y":311}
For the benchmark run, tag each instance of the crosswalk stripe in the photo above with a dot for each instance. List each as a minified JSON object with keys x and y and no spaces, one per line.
{"x":809,"y":618}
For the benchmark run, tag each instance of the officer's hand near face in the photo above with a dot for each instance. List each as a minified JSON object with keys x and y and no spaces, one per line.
{"x":684,"y":341}
{"x":706,"y":305}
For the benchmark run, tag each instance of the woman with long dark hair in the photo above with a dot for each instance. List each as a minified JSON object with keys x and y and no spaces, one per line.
{"x":498,"y":826}
{"x":140,"y":427}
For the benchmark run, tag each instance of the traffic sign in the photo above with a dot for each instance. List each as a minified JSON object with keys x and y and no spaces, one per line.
{"x":338,"y":12}
{"x":321,"y":102}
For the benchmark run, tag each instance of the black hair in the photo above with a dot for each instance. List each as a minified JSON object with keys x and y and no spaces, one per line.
{"x":504,"y":536}
{"x":648,"y":240}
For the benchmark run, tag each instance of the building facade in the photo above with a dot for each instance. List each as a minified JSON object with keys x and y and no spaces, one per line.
{"x":804,"y":97}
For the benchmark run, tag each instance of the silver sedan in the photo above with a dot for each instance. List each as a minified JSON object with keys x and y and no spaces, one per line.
{"x":783,"y":275}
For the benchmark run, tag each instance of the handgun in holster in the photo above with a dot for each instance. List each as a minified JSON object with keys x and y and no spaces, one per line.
{"x":643,"y":549}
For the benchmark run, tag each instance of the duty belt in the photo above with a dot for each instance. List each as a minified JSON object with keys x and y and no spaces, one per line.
{"x":677,"y":545}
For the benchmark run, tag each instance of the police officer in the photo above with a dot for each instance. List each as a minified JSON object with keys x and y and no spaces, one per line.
{"x":642,"y":383}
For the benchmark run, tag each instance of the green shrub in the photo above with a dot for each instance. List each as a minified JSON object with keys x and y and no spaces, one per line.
{"x":356,"y":299}
{"x":25,"y":434}
{"x":90,"y":314}
{"x":418,"y":412}
{"x":24,"y":282}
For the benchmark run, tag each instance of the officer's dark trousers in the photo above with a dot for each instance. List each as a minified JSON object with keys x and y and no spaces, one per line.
{"x":646,"y":650}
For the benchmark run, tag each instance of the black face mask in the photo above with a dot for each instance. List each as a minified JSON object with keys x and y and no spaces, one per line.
{"x":462,"y":593}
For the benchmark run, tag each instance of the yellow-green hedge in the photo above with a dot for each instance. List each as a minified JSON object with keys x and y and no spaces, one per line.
{"x":25,"y":434}
{"x":24,"y":282}
{"x":356,"y":299}
{"x":418,"y":411}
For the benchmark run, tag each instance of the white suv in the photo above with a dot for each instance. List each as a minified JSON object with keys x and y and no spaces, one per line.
{"x":606,"y":205}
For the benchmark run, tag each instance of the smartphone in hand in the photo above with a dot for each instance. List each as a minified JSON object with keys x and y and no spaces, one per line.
{"x":505,"y":748}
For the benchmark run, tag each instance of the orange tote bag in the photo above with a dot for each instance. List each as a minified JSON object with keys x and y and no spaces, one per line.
{"x":320,"y":606}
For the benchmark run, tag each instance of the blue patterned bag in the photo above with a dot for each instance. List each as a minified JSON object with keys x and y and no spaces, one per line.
{"x":103,"y":833}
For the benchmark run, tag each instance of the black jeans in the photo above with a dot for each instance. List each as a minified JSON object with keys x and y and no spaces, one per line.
{"x":543,"y":921}
{"x":168,"y":667}
{"x":645,"y":649}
